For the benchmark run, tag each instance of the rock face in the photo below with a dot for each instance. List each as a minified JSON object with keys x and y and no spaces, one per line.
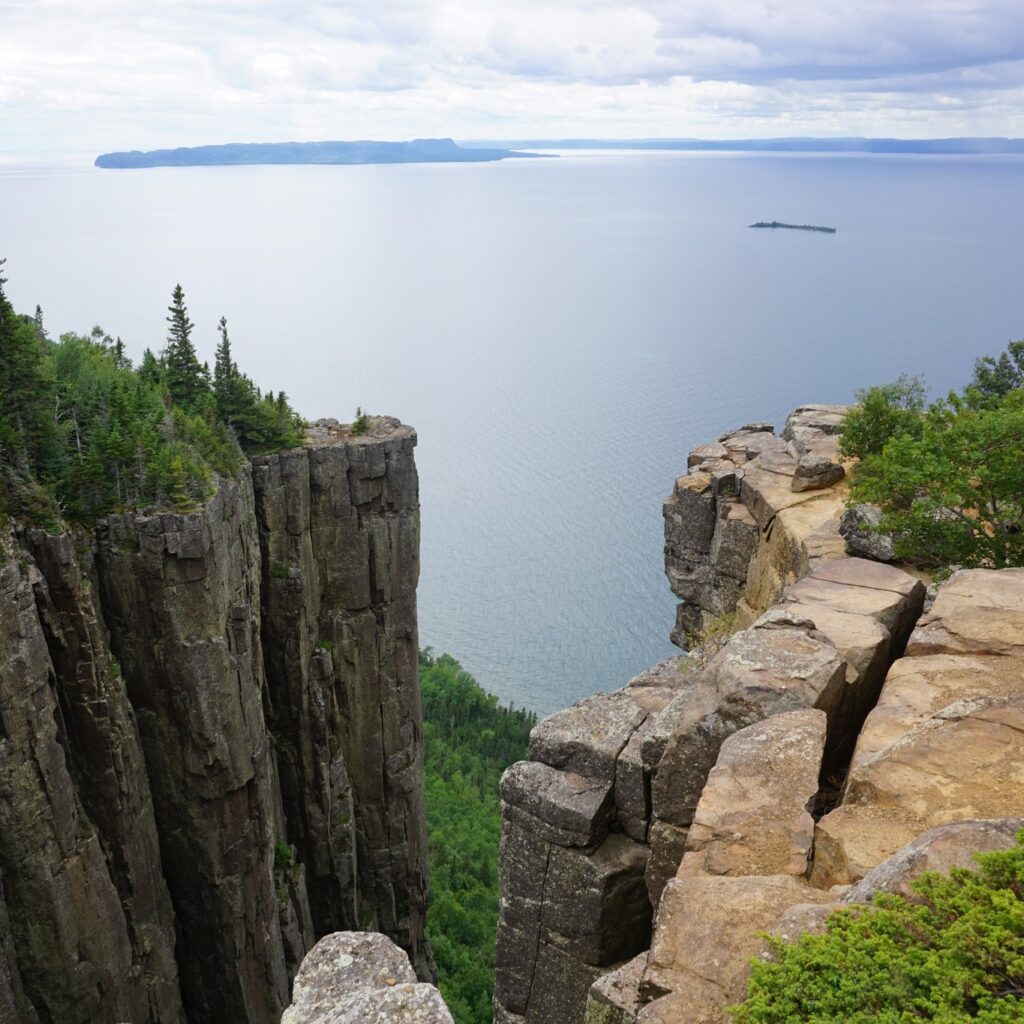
{"x":718,"y":769}
{"x":362,"y":978}
{"x":211,"y":741}
{"x":945,"y":742}
{"x":339,"y":532}
{"x":753,"y":513}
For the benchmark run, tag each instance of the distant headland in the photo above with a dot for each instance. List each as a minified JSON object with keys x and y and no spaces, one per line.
{"x":793,"y":227}
{"x":418,"y":151}
{"x":855,"y":145}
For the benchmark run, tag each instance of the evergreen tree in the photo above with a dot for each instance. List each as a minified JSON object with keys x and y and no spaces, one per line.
{"x":150,"y":369}
{"x":183,"y":373}
{"x":27,"y":426}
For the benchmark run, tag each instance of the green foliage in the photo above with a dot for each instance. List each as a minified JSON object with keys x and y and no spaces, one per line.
{"x":955,"y":954}
{"x":361,"y":423}
{"x":470,"y":740}
{"x":882,"y":412}
{"x":187,"y":380}
{"x":953,"y":494}
{"x":282,"y":857}
{"x":82,"y":433}
{"x":996,"y":377}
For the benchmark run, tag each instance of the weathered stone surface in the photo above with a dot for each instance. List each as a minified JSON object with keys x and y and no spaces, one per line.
{"x":815,"y":427}
{"x":105,"y":758}
{"x":815,"y":472}
{"x":615,"y":997}
{"x":181,"y":597}
{"x":340,"y":545}
{"x":69,"y":949}
{"x":564,"y":807}
{"x":588,"y":737}
{"x":560,"y":987}
{"x":801,"y":919}
{"x":939,"y":849}
{"x":966,"y":761}
{"x":859,"y":528}
{"x":916,"y":688}
{"x":754,"y":813}
{"x":977,"y":611}
{"x":667,"y":842}
{"x":595,"y":905}
{"x":708,"y":929}
{"x":361,"y":978}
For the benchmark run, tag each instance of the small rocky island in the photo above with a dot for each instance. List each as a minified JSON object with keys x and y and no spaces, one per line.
{"x":793,"y":227}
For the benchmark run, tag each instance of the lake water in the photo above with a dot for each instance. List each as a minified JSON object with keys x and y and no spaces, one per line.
{"x":560,"y":332}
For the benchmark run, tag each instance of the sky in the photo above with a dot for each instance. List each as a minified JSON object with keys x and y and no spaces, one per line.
{"x":80,"y":77}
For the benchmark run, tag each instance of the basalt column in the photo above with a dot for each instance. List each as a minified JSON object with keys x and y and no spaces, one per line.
{"x":181,"y":598}
{"x":339,"y":530}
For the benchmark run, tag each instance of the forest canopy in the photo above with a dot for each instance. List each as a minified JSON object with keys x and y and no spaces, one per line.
{"x":83,"y":432}
{"x":470,"y":740}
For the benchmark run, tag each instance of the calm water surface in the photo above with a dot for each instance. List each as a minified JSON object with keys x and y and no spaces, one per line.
{"x":559,"y":331}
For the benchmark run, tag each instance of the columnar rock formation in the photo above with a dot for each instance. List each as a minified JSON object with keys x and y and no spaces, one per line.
{"x":751,"y":783}
{"x":210,"y":741}
{"x":753,"y":512}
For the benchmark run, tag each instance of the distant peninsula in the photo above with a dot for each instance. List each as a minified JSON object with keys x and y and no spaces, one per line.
{"x":934,"y":147}
{"x":793,"y":227}
{"x":418,"y":151}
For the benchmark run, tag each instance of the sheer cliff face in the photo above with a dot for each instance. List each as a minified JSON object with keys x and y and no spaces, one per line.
{"x":340,"y":537}
{"x":209,"y":728}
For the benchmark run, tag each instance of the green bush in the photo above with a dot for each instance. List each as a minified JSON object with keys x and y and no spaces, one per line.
{"x":882,"y":412}
{"x":361,"y":423}
{"x":955,"y":954}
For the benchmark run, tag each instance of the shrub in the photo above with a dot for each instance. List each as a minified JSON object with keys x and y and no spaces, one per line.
{"x":952,"y":493}
{"x":882,"y":412}
{"x":361,"y":423}
{"x":955,"y":954}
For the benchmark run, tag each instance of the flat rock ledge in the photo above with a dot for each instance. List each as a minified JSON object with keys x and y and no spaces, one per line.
{"x":362,"y":978}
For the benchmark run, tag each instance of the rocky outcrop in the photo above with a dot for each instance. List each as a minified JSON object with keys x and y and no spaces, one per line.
{"x":946,"y":741}
{"x":339,"y":529}
{"x":178,"y":822}
{"x":691,"y":775}
{"x":362,"y":978}
{"x":753,"y":513}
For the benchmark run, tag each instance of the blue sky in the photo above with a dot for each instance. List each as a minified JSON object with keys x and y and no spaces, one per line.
{"x":78,"y":77}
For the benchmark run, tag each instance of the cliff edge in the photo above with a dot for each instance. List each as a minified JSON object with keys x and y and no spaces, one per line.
{"x":212,"y":743}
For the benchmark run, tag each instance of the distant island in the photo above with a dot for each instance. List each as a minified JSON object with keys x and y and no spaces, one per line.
{"x":418,"y":151}
{"x":792,"y":227}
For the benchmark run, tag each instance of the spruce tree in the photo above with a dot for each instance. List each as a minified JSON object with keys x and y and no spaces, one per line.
{"x":183,"y":373}
{"x":28,"y":436}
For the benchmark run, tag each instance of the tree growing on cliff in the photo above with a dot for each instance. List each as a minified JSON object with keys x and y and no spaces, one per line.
{"x":882,"y":412}
{"x":186,"y":378}
{"x":954,"y":954}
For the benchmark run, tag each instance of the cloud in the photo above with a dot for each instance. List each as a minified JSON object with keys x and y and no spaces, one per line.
{"x":80,"y":76}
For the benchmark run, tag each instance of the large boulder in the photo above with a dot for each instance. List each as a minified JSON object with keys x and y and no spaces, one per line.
{"x":361,"y":978}
{"x":816,"y":472}
{"x":859,"y":527}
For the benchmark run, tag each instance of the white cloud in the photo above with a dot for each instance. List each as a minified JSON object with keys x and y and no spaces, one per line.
{"x":83,"y":76}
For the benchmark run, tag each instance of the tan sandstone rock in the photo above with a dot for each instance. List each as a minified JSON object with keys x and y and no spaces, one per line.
{"x":754,"y":814}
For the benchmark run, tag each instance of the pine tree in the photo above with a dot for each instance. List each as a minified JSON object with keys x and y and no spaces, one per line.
{"x":184,"y":374}
{"x":27,"y":427}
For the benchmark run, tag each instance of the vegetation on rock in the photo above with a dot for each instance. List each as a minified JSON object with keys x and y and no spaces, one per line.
{"x":470,"y":740}
{"x":83,"y":433}
{"x":949,"y":479}
{"x":956,"y":953}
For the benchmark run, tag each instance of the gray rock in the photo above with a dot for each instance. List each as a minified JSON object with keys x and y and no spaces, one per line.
{"x":361,"y":978}
{"x":588,"y":737}
{"x":615,"y":997}
{"x":858,"y":526}
{"x":814,"y":472}
{"x":563,"y":806}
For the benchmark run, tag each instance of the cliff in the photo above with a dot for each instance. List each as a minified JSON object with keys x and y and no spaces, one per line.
{"x":211,"y":741}
{"x":814,"y":739}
